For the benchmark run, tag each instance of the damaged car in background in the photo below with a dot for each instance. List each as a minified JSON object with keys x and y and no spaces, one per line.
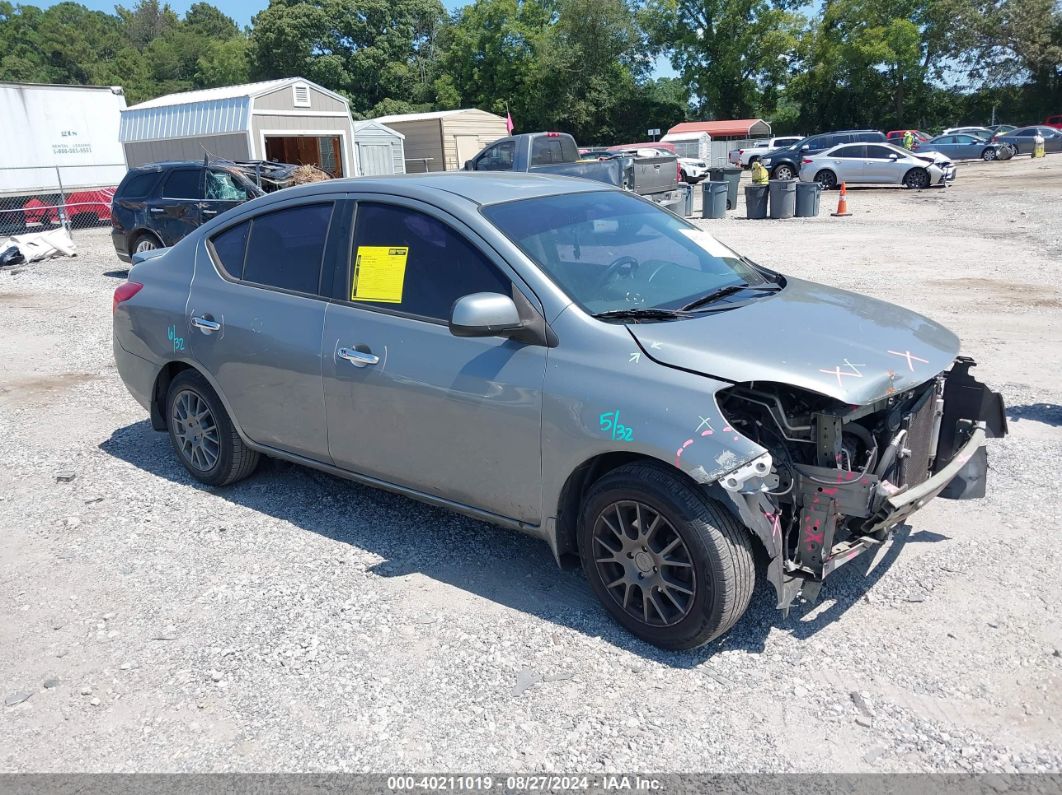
{"x":562,"y":358}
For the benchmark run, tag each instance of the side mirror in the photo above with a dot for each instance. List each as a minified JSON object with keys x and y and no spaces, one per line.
{"x":804,"y":148}
{"x":893,"y":156}
{"x":484,"y":315}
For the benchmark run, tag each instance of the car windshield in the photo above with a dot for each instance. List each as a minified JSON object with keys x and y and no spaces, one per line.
{"x":610,"y":251}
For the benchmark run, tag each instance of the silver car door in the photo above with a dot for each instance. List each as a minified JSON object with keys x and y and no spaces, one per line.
{"x":848,"y":163}
{"x":408,"y":403}
{"x":256,"y":317}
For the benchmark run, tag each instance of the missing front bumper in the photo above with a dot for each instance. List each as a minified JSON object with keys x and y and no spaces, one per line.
{"x":836,"y":515}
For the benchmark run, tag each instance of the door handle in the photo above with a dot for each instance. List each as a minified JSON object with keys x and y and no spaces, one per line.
{"x":206,"y":325}
{"x":156,"y":210}
{"x":358,"y":358}
{"x":208,"y":212}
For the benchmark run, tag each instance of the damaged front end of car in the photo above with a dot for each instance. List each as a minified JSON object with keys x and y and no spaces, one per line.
{"x":838,"y":478}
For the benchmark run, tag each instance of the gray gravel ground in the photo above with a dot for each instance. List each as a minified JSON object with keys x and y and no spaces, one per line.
{"x":296,"y":622}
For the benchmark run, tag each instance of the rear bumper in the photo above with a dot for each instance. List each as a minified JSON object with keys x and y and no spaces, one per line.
{"x":121,"y":245}
{"x":137,"y":374}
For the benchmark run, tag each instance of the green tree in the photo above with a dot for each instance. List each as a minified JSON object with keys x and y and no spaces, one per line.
{"x":732,"y":54}
{"x":370,"y":50}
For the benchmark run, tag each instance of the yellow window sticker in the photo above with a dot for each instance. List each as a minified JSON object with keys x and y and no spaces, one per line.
{"x":379,"y":274}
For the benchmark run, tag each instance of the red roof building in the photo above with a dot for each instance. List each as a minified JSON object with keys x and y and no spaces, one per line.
{"x":721,"y":130}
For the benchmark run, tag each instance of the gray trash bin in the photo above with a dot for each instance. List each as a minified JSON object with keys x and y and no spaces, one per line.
{"x":732,"y":176}
{"x":687,"y":199}
{"x":783,"y":198}
{"x":755,"y":201}
{"x":713,"y":199}
{"x":807,"y":199}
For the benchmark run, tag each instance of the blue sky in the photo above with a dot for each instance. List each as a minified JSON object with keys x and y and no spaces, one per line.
{"x":243,"y":10}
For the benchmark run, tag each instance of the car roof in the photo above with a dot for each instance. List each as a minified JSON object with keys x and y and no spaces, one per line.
{"x":477,"y":187}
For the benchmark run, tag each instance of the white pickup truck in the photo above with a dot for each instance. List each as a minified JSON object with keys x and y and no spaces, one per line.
{"x":754,"y":151}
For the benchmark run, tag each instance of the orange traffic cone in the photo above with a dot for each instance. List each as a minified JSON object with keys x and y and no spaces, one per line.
{"x":842,"y":204}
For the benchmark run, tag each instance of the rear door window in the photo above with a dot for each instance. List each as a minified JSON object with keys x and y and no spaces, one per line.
{"x":222,"y":186}
{"x":850,"y":152}
{"x":286,"y":248}
{"x":557,"y":149}
{"x":183,"y":183}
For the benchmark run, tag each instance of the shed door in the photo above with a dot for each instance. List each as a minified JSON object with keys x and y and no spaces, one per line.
{"x":468,"y":146}
{"x":375,"y":159}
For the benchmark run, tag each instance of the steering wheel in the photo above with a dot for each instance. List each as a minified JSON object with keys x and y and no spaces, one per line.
{"x":617,"y":266}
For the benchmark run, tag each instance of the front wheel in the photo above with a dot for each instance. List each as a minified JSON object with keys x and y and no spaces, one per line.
{"x":988,"y":154}
{"x":784,"y":171}
{"x":827,"y":179}
{"x":202,"y":433}
{"x":670,"y":565}
{"x":916,"y":178}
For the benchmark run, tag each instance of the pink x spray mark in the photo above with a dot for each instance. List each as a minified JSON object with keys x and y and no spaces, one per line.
{"x":852,"y":372}
{"x":910,"y":357}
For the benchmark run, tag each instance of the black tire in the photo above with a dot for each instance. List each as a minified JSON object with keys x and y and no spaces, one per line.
{"x":988,"y":154}
{"x":827,"y":179}
{"x":718,"y":551}
{"x":753,"y":159}
{"x":234,"y":460}
{"x":917,"y":178}
{"x":144,"y":241}
{"x":783,"y":171}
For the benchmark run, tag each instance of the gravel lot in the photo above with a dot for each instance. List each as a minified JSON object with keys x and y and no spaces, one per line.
{"x":296,"y":622}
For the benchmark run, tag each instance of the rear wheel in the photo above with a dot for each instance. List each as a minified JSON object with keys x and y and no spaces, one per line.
{"x":827,"y":179}
{"x":669,"y":564}
{"x":784,"y":171}
{"x":988,"y":154}
{"x":202,"y":433}
{"x":916,"y":178}
{"x":145,"y":241}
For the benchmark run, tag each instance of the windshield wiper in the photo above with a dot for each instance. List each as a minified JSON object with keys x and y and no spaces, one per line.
{"x":723,"y":292}
{"x":641,"y":313}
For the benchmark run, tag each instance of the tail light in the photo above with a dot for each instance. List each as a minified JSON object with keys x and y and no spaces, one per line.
{"x":741,"y":151}
{"x":124,"y":292}
{"x":678,"y":171}
{"x":807,"y":160}
{"x":553,"y":135}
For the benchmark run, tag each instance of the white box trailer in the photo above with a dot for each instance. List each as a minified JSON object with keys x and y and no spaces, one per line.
{"x":58,"y":136}
{"x":697,"y":145}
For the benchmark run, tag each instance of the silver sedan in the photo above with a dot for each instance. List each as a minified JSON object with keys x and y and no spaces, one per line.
{"x":563,"y":358}
{"x":880,"y":164}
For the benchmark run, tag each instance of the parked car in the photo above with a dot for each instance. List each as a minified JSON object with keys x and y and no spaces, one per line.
{"x":655,"y":177}
{"x":785,"y":163}
{"x":1023,"y":139}
{"x":1001,"y":129}
{"x":748,"y":155}
{"x":896,"y":136}
{"x":980,"y":132}
{"x":1054,"y":121}
{"x":564,"y":358}
{"x":157,"y":205}
{"x":880,"y":164}
{"x":962,"y":146}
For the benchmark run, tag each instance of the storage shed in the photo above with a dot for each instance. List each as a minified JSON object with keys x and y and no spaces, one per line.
{"x":443,"y":140}
{"x":724,"y":135}
{"x":378,"y":149}
{"x":290,"y":120}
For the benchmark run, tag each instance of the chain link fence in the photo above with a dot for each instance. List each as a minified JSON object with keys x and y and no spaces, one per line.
{"x":36,"y":198}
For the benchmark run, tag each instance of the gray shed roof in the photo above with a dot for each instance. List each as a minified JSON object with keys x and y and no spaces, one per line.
{"x":209,"y":111}
{"x":361,"y":125}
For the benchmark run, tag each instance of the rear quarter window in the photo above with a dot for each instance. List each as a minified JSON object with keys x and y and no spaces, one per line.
{"x":230,"y":247}
{"x":286,"y":248}
{"x":137,"y":186}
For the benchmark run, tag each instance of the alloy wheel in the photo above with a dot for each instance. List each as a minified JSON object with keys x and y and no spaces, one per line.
{"x":643,"y":563}
{"x":145,"y":244}
{"x":195,"y":430}
{"x":783,"y":172}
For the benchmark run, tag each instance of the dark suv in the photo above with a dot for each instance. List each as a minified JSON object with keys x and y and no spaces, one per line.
{"x":158,"y":204}
{"x":785,"y":163}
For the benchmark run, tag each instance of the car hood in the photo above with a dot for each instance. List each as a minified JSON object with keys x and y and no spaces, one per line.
{"x":847,"y":346}
{"x":931,"y":156}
